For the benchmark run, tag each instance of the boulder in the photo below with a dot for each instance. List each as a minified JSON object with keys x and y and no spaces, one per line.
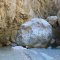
{"x":35,"y":33}
{"x":52,"y":20}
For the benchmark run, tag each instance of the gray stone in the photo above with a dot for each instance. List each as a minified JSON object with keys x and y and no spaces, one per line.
{"x":35,"y":33}
{"x":52,"y":20}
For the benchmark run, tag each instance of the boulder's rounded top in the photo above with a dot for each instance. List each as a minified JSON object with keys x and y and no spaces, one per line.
{"x":36,"y":20}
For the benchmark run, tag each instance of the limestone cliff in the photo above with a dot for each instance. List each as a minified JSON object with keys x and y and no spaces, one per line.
{"x":41,"y":8}
{"x":14,"y":12}
{"x":7,"y":15}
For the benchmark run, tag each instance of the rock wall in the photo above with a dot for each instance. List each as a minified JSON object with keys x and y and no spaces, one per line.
{"x":14,"y":12}
{"x":7,"y":15}
{"x":11,"y":17}
{"x":41,"y":8}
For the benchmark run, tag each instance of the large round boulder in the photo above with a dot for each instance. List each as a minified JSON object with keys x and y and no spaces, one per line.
{"x":37,"y":32}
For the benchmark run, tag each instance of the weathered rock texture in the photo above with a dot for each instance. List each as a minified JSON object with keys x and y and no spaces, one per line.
{"x":35,"y":33}
{"x":11,"y":16}
{"x":14,"y":12}
{"x":41,"y":8}
{"x":7,"y":15}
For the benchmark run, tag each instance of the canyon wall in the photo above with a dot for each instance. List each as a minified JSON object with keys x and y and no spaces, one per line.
{"x":15,"y":12}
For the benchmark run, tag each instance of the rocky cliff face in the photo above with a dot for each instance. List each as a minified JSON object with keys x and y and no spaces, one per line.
{"x":15,"y":12}
{"x":41,"y":8}
{"x":12,"y":15}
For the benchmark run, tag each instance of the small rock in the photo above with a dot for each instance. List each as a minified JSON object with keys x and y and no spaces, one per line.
{"x":52,"y":20}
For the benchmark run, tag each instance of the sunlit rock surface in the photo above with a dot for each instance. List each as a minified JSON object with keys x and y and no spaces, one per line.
{"x":10,"y":20}
{"x":7,"y":15}
{"x":41,"y":8}
{"x":35,"y":33}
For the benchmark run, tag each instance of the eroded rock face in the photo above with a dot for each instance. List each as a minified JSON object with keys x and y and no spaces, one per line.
{"x":7,"y":12}
{"x":14,"y":12}
{"x":35,"y":33}
{"x":7,"y":15}
{"x":41,"y":8}
{"x":2,"y":15}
